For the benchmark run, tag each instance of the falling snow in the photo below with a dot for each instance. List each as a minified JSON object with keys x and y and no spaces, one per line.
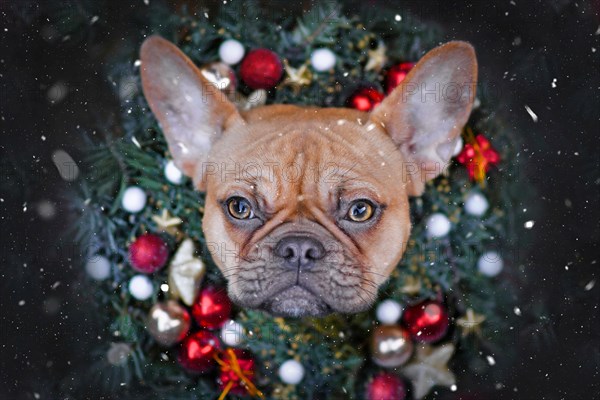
{"x":533,"y":116}
{"x":55,"y":92}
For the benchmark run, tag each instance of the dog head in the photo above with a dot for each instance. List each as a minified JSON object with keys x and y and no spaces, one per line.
{"x":307,"y":208}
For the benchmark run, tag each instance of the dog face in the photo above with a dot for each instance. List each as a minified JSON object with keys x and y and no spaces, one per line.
{"x":307,"y":208}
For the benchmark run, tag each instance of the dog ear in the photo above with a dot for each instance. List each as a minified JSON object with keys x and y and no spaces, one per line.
{"x":425,"y":114}
{"x":191,"y":111}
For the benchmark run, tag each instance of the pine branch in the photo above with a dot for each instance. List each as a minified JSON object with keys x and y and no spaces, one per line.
{"x":333,"y":350}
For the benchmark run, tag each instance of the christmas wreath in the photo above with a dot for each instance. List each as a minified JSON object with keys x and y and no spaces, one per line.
{"x":173,"y":330}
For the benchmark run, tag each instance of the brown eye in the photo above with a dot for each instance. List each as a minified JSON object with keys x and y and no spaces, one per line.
{"x":239,"y":208}
{"x":360,"y":211}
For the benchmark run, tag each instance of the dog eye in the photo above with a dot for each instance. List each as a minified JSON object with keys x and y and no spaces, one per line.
{"x":239,"y":208}
{"x":360,"y":211}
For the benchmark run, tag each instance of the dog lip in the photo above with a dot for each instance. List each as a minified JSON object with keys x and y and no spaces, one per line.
{"x":296,"y":301}
{"x":294,"y":286}
{"x":304,"y":288}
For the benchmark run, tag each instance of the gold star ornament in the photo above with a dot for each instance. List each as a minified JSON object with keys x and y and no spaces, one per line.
{"x":167,"y":223}
{"x":412,"y":285}
{"x":296,"y":77}
{"x":185,"y":273}
{"x":470,"y":322}
{"x":429,"y":369}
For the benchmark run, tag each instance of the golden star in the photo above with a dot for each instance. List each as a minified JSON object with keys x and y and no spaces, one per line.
{"x":429,"y":369}
{"x":297,"y":77}
{"x":166,"y":222}
{"x":377,"y":58}
{"x":470,"y":322}
{"x":412,"y":285}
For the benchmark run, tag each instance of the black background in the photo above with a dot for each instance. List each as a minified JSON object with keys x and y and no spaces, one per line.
{"x":522,"y":46}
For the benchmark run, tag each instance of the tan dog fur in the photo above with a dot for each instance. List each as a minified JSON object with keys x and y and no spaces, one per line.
{"x":301,"y":168}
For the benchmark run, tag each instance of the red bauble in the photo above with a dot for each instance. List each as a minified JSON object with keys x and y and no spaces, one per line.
{"x":386,"y":386}
{"x":197,"y":352}
{"x":148,"y":253}
{"x":237,"y":372}
{"x":261,"y":69}
{"x":426,"y":322}
{"x":396,"y":74}
{"x":365,"y":99}
{"x":212,"y":308}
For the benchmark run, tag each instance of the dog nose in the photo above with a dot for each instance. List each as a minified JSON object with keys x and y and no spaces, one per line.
{"x":299,"y":251}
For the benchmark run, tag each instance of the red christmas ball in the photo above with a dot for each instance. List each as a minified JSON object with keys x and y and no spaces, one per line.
{"x":386,"y":386}
{"x":426,"y":322}
{"x":212,"y":308}
{"x":396,"y":74}
{"x":148,"y":253}
{"x":365,"y":99}
{"x":261,"y":69}
{"x":197,"y":352}
{"x":245,"y":361}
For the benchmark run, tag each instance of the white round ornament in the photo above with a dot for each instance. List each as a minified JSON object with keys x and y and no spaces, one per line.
{"x":98,"y":267}
{"x":291,"y":372}
{"x":232,"y":333}
{"x":231,"y":52}
{"x":134,"y":199}
{"x":437,"y":225}
{"x":322,"y":59}
{"x":476,"y":204}
{"x":172,"y":173}
{"x":388,"y":312}
{"x":490,"y":263}
{"x":140,"y":287}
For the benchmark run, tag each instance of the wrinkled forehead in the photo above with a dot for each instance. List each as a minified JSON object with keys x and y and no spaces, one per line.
{"x":305,"y":159}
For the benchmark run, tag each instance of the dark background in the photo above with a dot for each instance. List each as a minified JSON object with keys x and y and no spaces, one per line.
{"x":45,"y":324}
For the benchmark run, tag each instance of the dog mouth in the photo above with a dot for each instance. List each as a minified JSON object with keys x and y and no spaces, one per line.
{"x":296,"y":301}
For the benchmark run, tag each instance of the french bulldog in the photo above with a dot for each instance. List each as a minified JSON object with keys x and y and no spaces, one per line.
{"x":307,"y":208}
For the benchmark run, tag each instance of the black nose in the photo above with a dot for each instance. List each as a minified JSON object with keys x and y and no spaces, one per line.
{"x":299,"y":251}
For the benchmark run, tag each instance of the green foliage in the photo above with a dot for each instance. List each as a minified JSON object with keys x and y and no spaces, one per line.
{"x":334,"y":350}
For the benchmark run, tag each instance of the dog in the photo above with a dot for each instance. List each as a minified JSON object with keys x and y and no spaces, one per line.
{"x":307,"y":208}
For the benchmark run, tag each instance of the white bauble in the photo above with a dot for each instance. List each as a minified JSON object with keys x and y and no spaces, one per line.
{"x":231,"y":52}
{"x":437,"y":225}
{"x":140,"y":287}
{"x":458,"y":146}
{"x":172,"y":173}
{"x":232,"y":333}
{"x":291,"y":372}
{"x":322,"y":59}
{"x":134,"y":199}
{"x":98,"y":267}
{"x":490,"y":263}
{"x":476,"y":204}
{"x":388,"y":312}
